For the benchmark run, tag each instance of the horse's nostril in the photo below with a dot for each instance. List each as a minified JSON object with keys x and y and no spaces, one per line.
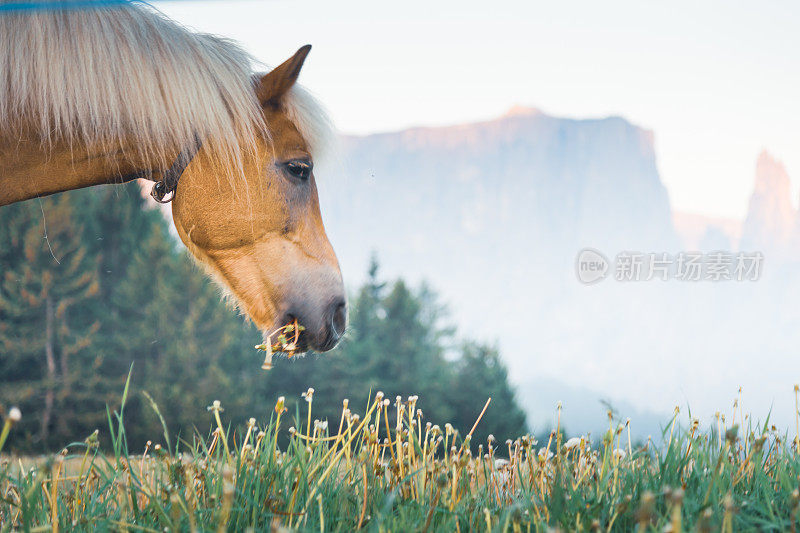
{"x":338,"y":320}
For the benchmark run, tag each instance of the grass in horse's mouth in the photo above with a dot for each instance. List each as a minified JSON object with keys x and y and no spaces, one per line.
{"x":286,"y":341}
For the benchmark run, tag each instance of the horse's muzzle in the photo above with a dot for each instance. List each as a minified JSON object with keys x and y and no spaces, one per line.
{"x":336,"y":322}
{"x":323,"y":326}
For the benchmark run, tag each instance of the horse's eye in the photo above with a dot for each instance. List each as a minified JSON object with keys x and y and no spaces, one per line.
{"x":298,"y":168}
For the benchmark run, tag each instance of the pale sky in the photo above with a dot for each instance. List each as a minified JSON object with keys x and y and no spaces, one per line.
{"x":717,"y":81}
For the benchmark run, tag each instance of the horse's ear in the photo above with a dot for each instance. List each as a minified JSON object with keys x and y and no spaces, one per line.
{"x":273,"y":85}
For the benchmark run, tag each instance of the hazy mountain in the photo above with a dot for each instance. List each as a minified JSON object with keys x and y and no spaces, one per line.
{"x":772,"y":223}
{"x":485,"y":207}
{"x":771,"y":219}
{"x":583,"y":410}
{"x":702,"y":232}
{"x":526,"y":179}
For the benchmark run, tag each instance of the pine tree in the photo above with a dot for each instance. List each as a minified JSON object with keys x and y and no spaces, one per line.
{"x":199,"y":351}
{"x":413,"y":349}
{"x":135,"y":252}
{"x":162,"y":315}
{"x":47,"y":276}
{"x":481,"y":374}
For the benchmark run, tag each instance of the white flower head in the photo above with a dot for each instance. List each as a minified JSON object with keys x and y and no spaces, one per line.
{"x":14,"y":414}
{"x":619,"y":453}
{"x":573,"y":443}
{"x":500,"y":463}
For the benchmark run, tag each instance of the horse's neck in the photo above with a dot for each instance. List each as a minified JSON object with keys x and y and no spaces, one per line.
{"x":29,"y":170}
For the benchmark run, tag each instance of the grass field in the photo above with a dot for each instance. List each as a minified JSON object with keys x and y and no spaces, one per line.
{"x":386,"y":468}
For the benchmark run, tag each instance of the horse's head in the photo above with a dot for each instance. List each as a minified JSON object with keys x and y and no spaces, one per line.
{"x":262,"y":237}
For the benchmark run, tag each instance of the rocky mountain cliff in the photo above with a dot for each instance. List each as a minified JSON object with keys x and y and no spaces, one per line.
{"x":771,"y":223}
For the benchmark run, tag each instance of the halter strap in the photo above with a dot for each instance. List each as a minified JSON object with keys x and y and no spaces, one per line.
{"x":164,"y":190}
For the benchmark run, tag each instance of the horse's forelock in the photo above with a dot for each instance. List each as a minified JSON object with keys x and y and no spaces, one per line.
{"x":313,"y":123}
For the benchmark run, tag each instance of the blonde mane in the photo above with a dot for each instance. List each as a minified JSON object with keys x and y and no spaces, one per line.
{"x":113,"y":74}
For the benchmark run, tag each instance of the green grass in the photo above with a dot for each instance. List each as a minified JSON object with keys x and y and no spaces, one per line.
{"x":387,"y":469}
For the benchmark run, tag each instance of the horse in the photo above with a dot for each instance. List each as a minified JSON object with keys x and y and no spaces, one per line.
{"x":116,"y":91}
